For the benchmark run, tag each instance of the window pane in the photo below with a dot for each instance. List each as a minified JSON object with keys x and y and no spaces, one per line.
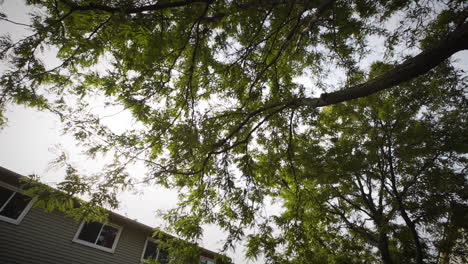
{"x":163,"y":256}
{"x":90,"y":232}
{"x":15,"y":206}
{"x":4,"y":195}
{"x":107,"y":236}
{"x":151,"y":250}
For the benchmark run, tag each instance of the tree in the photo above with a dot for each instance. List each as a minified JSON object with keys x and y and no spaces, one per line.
{"x":380,"y":175}
{"x":214,"y":87}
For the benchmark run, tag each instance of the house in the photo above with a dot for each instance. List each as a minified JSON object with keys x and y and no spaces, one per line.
{"x":32,"y":236}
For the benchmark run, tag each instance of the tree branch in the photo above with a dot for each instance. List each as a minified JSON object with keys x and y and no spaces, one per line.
{"x":130,"y":10}
{"x":409,"y":69}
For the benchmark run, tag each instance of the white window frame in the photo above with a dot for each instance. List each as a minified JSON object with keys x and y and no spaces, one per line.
{"x":25,"y":210}
{"x":93,"y":245}
{"x":205,"y":258}
{"x":146,"y":244}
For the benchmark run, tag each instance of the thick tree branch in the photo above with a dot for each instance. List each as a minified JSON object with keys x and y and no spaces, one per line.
{"x":166,"y":5}
{"x":409,"y":69}
{"x":130,"y":10}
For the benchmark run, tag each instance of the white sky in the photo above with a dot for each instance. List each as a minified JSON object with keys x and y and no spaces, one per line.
{"x":28,"y":141}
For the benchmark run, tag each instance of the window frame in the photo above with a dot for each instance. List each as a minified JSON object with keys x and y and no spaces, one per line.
{"x":207,"y":259}
{"x":150,"y":239}
{"x":25,"y":210}
{"x":93,"y":245}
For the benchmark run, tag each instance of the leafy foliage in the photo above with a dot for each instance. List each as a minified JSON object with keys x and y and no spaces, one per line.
{"x":383,"y":175}
{"x":221,"y":114}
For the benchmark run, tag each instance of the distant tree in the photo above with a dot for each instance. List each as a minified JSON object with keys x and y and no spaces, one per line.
{"x":220,"y":114}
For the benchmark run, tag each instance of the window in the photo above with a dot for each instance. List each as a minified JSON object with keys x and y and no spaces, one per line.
{"x":152,"y":251}
{"x":13,"y":204}
{"x":98,"y":235}
{"x":204,"y":260}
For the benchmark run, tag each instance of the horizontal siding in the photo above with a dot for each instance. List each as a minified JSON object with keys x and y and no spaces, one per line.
{"x":46,"y":238}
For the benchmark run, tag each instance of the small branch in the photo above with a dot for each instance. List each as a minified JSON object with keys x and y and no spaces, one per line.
{"x":16,"y":23}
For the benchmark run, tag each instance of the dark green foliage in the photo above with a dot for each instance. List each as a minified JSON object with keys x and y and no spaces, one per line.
{"x":219,"y":114}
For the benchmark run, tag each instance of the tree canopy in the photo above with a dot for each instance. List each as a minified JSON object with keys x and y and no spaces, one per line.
{"x":347,"y":113}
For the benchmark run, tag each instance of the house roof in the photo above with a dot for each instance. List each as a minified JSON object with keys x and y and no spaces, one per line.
{"x":13,"y":178}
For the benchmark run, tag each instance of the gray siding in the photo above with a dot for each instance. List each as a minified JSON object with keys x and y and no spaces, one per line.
{"x":47,"y":238}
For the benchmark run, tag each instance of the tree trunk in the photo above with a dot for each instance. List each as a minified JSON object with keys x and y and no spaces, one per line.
{"x":414,"y":233}
{"x":383,"y":248}
{"x":448,"y":241}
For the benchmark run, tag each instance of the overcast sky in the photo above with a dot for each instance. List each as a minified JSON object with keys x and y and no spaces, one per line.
{"x":28,"y":141}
